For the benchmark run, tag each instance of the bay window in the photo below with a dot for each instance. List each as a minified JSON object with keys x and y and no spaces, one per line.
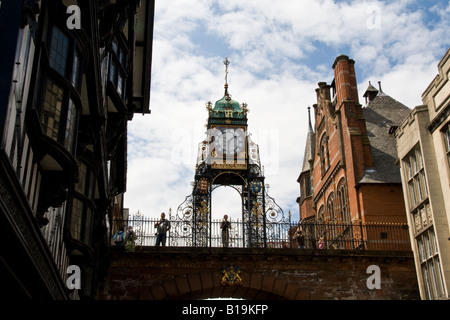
{"x":61,"y":102}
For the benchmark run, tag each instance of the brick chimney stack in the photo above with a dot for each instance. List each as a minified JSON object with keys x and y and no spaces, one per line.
{"x":357,"y":147}
{"x":345,"y":80}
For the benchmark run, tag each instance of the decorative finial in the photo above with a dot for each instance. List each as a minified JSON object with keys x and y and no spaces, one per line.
{"x":309,"y":119}
{"x":209,"y":106}
{"x":226,"y":63}
{"x":244,"y":107}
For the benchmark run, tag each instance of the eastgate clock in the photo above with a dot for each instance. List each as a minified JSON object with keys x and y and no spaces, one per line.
{"x":228,"y":140}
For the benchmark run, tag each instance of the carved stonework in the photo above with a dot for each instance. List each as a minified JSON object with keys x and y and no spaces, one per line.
{"x":53,"y":193}
{"x":231,"y":276}
{"x":13,"y":207}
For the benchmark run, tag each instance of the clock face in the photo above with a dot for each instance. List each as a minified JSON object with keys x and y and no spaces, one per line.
{"x":228,"y":141}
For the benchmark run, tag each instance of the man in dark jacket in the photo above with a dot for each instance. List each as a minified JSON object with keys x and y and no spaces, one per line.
{"x":162,"y":226}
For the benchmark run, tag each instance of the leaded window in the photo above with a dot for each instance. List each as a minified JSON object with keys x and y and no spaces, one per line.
{"x":118,"y":67}
{"x":83,"y":204}
{"x":342,"y":211}
{"x":76,"y":224}
{"x":51,"y":109}
{"x":59,"y":50}
{"x":60,"y":103}
{"x":330,"y":207}
{"x":430,"y":265}
{"x":308,"y":189}
{"x":324,"y":155}
{"x":415,"y":173}
{"x":69,"y":133}
{"x":422,"y":219}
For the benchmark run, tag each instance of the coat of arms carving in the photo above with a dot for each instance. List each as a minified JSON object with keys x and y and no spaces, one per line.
{"x":231,"y":276}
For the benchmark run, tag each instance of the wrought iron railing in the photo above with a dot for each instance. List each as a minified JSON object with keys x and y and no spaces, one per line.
{"x":316,"y":235}
{"x":356,"y":236}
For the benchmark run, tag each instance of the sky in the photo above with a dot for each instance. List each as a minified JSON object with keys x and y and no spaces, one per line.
{"x":278,"y":51}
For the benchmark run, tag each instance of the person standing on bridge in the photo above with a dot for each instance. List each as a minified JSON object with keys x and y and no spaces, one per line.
{"x":162,"y":226}
{"x":119,"y":237}
{"x":225,"y":225}
{"x":300,"y":238}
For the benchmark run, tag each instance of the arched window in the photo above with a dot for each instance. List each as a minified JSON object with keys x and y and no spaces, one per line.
{"x":342,"y":211}
{"x":332,"y":230}
{"x":324,"y":155}
{"x":321,"y":214}
{"x":306,"y":189}
{"x":330,"y":207}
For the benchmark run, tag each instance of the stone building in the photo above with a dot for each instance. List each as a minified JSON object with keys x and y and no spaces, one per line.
{"x":423,"y":140}
{"x":72,"y":74}
{"x":349,"y":173}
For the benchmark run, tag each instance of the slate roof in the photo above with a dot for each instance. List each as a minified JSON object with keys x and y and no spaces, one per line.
{"x":381,"y":114}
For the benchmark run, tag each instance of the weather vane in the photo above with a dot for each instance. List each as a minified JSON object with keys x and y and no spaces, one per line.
{"x":226,"y":63}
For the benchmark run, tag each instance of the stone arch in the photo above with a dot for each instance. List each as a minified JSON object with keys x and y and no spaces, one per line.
{"x":206,"y":284}
{"x":156,"y":273}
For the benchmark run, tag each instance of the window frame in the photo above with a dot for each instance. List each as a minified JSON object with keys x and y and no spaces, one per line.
{"x":83,"y":205}
{"x":421,"y":215}
{"x":430,"y":264}
{"x":324,"y":154}
{"x":68,"y":79}
{"x":342,"y":204}
{"x":118,"y":66}
{"x":446,"y":141}
{"x":416,"y":184}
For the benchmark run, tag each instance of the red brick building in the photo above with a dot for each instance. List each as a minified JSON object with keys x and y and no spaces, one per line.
{"x":350,"y":171}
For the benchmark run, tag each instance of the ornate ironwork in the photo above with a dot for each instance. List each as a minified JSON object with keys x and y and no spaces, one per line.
{"x":263,"y":220}
{"x":280,"y":233}
{"x":228,"y":157}
{"x":138,"y":223}
{"x":182,"y":224}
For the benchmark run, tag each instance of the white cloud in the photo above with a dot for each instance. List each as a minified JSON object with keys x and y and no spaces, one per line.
{"x":279,"y":51}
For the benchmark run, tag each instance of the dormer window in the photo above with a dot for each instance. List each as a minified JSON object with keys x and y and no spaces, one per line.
{"x":370,"y":94}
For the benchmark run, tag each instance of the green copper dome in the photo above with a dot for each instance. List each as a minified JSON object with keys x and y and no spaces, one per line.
{"x":226,"y":103}
{"x":227,"y":111}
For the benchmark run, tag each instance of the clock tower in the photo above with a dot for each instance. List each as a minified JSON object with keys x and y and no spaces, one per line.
{"x":228,"y":157}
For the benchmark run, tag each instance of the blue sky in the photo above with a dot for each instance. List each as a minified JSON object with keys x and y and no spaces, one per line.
{"x":279,"y":51}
